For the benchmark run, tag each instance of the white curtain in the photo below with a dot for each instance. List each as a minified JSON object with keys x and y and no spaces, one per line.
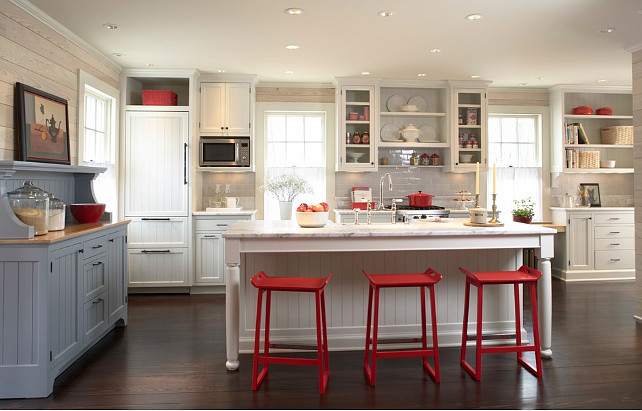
{"x":516,"y":183}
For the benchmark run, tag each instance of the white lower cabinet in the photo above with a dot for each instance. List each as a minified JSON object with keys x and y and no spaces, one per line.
{"x":210,"y":247}
{"x":56,"y":299}
{"x":599,"y":244}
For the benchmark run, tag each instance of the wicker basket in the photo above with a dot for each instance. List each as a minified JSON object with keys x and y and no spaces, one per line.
{"x":589,"y":159}
{"x":617,"y":135}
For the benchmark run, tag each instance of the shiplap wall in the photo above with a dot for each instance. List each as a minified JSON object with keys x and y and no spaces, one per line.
{"x":637,"y":177}
{"x":33,"y":53}
{"x":295,"y":94}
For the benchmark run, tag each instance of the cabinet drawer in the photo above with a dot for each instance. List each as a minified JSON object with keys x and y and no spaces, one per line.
{"x":158,"y":232}
{"x":158,"y":267}
{"x":215,"y":224}
{"x":614,"y":244}
{"x":94,"y":247}
{"x":95,"y":317}
{"x":615,"y":260}
{"x":606,"y":218}
{"x":615,"y":232}
{"x":95,"y":277}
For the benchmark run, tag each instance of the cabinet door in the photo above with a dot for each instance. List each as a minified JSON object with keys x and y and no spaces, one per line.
{"x":95,"y":278}
{"x":579,"y":242}
{"x":65,"y":327}
{"x":353,"y":153}
{"x":469,"y":125}
{"x":156,"y":163}
{"x":117,"y":266}
{"x":212,"y":118}
{"x":158,"y":267}
{"x":95,"y":317}
{"x":210,"y":249}
{"x":237,"y":109}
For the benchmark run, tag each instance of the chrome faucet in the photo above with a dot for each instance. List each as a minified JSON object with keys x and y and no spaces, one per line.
{"x":380,"y":207}
{"x":369,"y":214}
{"x":393,"y":210}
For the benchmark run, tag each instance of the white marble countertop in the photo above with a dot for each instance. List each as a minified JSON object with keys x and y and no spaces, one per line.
{"x":593,"y":208}
{"x":224,"y":213}
{"x":456,"y":227}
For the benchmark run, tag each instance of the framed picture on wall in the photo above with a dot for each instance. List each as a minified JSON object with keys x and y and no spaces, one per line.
{"x":43,"y":126}
{"x":593,"y":192}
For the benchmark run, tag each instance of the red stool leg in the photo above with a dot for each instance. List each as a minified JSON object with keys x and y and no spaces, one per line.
{"x":375,"y":336}
{"x":538,"y":348}
{"x":518,"y":321}
{"x":424,"y":342}
{"x":464,"y":332}
{"x":320,"y":350}
{"x":366,"y":359}
{"x":326,"y":360}
{"x":478,"y":337}
{"x":257,"y":339}
{"x":435,"y":373}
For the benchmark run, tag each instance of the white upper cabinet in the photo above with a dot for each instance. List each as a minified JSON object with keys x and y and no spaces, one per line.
{"x":225,"y":109}
{"x":586,"y":149}
{"x":469,"y":125}
{"x":357,"y":145}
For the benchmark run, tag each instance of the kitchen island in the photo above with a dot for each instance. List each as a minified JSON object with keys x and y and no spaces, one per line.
{"x":283,"y":248}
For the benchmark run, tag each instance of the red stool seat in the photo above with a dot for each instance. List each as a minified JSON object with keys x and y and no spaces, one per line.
{"x":524,"y":275}
{"x":266,"y":284}
{"x":423,"y":280}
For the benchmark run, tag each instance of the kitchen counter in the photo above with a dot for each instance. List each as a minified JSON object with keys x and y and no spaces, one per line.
{"x":224,"y":212}
{"x":70,"y":231}
{"x":283,"y":248}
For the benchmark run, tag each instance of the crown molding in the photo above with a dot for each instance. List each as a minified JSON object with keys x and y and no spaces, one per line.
{"x":44,"y":18}
{"x":633,"y":48}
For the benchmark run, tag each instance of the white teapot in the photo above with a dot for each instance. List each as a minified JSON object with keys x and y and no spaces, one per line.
{"x":410,"y":133}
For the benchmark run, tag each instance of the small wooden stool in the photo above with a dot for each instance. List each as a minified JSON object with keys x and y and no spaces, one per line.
{"x":524,"y":275}
{"x":426,"y":279}
{"x":267,"y":284}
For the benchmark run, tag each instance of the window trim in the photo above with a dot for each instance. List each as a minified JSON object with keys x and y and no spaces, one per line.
{"x":539,"y":141}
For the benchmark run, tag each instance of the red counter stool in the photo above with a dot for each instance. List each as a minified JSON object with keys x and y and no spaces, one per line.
{"x":267,"y":284}
{"x":524,"y":275}
{"x":426,"y":279}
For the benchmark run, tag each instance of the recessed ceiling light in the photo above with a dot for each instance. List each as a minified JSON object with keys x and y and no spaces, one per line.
{"x":607,"y":30}
{"x":289,"y":72}
{"x":220,"y":71}
{"x":421,"y":75}
{"x":385,"y":13}
{"x":110,"y":26}
{"x":600,"y":80}
{"x":474,"y":76}
{"x":365,"y":73}
{"x":475,"y":16}
{"x":435,"y":50}
{"x":540,"y":78}
{"x":292,"y":47}
{"x":150,"y":64}
{"x":522,"y":84}
{"x":294,"y":11}
{"x":118,"y":54}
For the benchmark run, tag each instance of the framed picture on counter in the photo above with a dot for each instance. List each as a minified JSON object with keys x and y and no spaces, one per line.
{"x":43,"y":126}
{"x":593,"y":192}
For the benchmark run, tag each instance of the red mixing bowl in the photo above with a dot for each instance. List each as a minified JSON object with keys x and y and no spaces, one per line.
{"x":87,"y":213}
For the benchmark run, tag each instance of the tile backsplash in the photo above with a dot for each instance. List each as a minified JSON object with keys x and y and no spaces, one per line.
{"x":616,"y":190}
{"x":242,"y":185}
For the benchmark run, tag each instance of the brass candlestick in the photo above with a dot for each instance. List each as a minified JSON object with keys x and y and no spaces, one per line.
{"x":494,"y":219}
{"x":476,"y":201}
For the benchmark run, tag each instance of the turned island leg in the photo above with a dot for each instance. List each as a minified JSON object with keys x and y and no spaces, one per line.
{"x":232,"y":290}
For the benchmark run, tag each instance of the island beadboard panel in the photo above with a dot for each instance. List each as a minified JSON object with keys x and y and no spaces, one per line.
{"x":36,"y":53}
{"x":347,"y":295}
{"x":637,"y":155}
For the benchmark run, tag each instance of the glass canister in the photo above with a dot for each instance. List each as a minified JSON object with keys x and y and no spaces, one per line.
{"x":31,"y":205}
{"x":56,"y":213}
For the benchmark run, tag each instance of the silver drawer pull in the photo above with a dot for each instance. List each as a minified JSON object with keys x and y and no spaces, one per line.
{"x":614,"y":244}
{"x":615,"y":260}
{"x":155,"y":219}
{"x":614,"y":232}
{"x":97,"y":301}
{"x":155,"y":251}
{"x":221,"y":225}
{"x":98,"y":263}
{"x":209,"y":236}
{"x":614,"y":218}
{"x":96,"y":246}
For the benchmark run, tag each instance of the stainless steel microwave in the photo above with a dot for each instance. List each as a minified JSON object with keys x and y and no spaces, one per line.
{"x":224,"y":152}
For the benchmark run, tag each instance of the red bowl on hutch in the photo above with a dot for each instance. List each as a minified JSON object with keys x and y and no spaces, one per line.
{"x":87,"y":213}
{"x":420,"y":199}
{"x":604,"y":111}
{"x":583,"y":111}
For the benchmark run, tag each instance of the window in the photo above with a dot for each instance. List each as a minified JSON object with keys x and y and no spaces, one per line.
{"x":514,"y":146}
{"x":97,"y":141}
{"x":295,"y":144}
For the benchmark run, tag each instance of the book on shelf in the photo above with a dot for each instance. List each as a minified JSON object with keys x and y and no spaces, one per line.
{"x":572,"y":158}
{"x":575,"y":134}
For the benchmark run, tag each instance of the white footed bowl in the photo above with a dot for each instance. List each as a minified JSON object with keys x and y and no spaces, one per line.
{"x":310,"y":219}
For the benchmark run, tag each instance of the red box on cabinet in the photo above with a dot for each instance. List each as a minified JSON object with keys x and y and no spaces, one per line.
{"x":159,"y":98}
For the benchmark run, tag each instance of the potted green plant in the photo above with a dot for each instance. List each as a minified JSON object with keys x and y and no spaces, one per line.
{"x":284,"y":188}
{"x":523,"y":211}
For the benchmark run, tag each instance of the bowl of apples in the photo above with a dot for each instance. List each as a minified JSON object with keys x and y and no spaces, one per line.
{"x":311,"y":216}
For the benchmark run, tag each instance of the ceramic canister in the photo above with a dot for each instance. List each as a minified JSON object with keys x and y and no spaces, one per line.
{"x":478,"y":215}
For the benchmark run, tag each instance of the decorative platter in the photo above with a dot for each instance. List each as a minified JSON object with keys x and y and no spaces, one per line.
{"x":418,"y":101}
{"x":395,"y":102}
{"x":390,"y":132}
{"x":427,"y":134}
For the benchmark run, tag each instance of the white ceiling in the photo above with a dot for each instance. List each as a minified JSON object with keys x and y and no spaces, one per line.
{"x":536,"y":43}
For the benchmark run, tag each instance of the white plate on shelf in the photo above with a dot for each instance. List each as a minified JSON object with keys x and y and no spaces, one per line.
{"x":395,"y":102}
{"x":418,"y":101}
{"x":427,"y":134}
{"x":390,"y":132}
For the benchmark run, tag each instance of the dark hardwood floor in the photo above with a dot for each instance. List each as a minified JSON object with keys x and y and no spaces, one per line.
{"x":172,"y":355}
